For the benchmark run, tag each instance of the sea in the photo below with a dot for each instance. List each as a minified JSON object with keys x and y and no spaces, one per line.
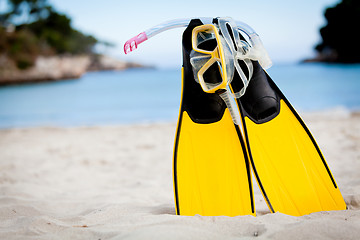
{"x":137,"y":96}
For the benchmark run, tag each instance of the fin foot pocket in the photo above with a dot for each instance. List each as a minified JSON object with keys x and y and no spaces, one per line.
{"x":261,"y":102}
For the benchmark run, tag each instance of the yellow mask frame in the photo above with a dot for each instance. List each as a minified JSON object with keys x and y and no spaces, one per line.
{"x":216,"y":56}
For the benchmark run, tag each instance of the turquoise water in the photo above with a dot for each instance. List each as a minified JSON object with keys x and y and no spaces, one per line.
{"x":150,"y":95}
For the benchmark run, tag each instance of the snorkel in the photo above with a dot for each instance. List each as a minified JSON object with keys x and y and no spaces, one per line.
{"x":132,"y":44}
{"x":224,"y":59}
{"x":260,"y":54}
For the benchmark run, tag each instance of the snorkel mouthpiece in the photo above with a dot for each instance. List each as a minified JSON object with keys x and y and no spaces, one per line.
{"x":132,"y":43}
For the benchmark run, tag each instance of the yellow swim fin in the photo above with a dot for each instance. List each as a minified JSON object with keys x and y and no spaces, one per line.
{"x":211,"y":168}
{"x":288,"y":164}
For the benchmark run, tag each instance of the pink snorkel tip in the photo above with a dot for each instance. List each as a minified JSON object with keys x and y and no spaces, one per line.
{"x":132,"y":43}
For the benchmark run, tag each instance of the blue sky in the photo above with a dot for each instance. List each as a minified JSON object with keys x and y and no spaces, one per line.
{"x":288,"y":29}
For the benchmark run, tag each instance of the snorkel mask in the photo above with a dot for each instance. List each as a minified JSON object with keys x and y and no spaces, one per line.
{"x":214,"y":65}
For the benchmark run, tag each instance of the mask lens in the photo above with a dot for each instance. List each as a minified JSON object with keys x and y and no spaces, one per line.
{"x":213,"y":75}
{"x":207,"y":44}
{"x":237,"y":84}
{"x":207,"y":58}
{"x":205,"y":39}
{"x":232,"y":36}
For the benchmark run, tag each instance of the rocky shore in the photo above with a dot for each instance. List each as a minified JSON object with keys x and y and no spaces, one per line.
{"x":52,"y":68}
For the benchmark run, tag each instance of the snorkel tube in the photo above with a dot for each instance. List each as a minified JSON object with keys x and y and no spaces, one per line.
{"x":132,"y":44}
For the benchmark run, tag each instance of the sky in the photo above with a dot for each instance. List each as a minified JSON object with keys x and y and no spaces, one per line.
{"x":289,"y":29}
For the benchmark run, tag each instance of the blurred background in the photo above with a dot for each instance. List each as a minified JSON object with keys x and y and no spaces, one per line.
{"x":62,"y":61}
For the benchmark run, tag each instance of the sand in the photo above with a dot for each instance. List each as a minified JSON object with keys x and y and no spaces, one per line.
{"x":115,"y":182}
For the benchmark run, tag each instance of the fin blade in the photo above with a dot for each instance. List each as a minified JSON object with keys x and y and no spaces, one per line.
{"x":290,"y":167}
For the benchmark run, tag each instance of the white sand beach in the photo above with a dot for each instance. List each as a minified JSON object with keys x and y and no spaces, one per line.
{"x":115,"y":182}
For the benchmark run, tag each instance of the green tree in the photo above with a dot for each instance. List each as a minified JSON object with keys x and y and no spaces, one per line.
{"x":57,"y":32}
{"x":43,"y":32}
{"x":31,"y":10}
{"x":340,"y":39}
